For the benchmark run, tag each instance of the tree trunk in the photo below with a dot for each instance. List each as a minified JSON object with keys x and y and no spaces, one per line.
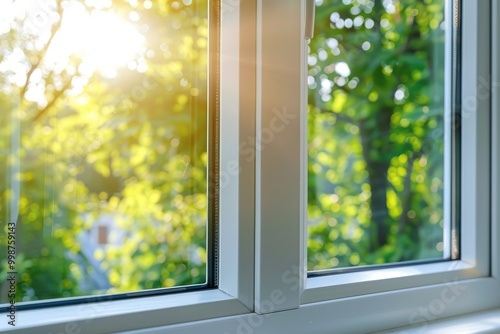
{"x":376,"y":148}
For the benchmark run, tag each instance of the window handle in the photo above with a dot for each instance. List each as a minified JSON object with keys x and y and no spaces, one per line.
{"x":310,"y":9}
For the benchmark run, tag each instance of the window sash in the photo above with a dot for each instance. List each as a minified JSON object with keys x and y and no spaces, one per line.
{"x":399,"y":300}
{"x":475,"y":176}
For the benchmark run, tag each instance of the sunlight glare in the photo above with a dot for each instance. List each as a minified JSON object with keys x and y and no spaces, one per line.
{"x":102,"y":39}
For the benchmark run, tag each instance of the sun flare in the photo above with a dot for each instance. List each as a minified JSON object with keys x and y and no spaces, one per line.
{"x":102,"y":39}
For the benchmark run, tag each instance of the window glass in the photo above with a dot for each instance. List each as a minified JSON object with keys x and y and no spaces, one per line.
{"x":103,"y":145}
{"x":376,"y":177}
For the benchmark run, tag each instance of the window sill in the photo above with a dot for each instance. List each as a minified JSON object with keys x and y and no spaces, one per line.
{"x":125,"y":315}
{"x":481,"y":323}
{"x":367,"y":314}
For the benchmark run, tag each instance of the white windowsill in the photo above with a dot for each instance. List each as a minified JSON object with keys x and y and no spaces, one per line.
{"x":481,"y":323}
{"x":123,"y":315}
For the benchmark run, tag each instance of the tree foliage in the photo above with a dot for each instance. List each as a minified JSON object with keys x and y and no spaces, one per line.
{"x":126,"y":142}
{"x":376,"y":152}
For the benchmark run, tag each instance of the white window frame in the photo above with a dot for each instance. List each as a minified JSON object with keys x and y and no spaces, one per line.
{"x":263,"y":287}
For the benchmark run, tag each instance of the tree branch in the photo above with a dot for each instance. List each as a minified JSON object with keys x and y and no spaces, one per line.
{"x":339,"y":116}
{"x":43,"y":52}
{"x":57,"y":95}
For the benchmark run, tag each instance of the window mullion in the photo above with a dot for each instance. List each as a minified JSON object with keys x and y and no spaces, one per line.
{"x":280,"y":44}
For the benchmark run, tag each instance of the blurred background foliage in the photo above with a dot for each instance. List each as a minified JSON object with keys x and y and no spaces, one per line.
{"x":376,"y":148}
{"x":104,"y":120}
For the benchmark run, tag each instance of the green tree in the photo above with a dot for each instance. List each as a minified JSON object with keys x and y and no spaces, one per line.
{"x":376,"y":132}
{"x":129,"y":142}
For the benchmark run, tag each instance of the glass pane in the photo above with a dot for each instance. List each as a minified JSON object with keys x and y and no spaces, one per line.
{"x":376,"y":133}
{"x":103,"y":145}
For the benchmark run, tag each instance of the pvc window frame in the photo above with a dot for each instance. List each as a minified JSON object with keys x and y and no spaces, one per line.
{"x":398,"y":291}
{"x":263,"y":285}
{"x":234,"y":294}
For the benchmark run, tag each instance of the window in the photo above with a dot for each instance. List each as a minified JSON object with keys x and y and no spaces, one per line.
{"x":263,"y":284}
{"x":104,"y":146}
{"x":103,"y":235}
{"x":377,"y":134}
